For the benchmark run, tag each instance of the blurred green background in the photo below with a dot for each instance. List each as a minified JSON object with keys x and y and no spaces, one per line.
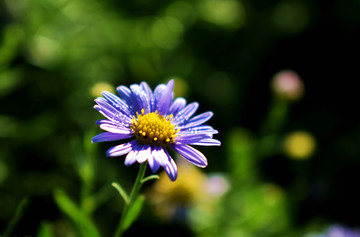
{"x":55,"y":55}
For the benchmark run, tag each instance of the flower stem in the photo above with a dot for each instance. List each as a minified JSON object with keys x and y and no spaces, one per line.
{"x":133,"y":195}
{"x":16,"y":217}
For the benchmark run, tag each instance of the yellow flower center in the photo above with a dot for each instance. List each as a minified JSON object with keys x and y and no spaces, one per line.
{"x":154,"y":129}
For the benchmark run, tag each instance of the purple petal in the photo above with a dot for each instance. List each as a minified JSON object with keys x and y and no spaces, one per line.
{"x":185,"y":113}
{"x":122,"y":149}
{"x":144,"y":154}
{"x":191,"y":154}
{"x":131,"y":156}
{"x":146,"y":88}
{"x":206,"y":142}
{"x":199,"y":129}
{"x":171,"y":168}
{"x":114,"y":122}
{"x":118,"y":120}
{"x":115,"y":129}
{"x":159,"y":90}
{"x":117,"y":103}
{"x":111,"y":113}
{"x":149,"y":95}
{"x":125,"y":94}
{"x":153,"y":162}
{"x":104,"y":121}
{"x":104,"y":106}
{"x":140,"y":99}
{"x":108,"y":136}
{"x":177,"y":105}
{"x":160,"y":155}
{"x":198,"y":120}
{"x":163,"y":102}
{"x":191,"y":138}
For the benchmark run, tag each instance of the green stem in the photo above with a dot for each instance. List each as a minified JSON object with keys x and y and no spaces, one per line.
{"x":276,"y":117}
{"x":122,"y":192}
{"x":133,"y":195}
{"x":16,"y":217}
{"x":151,"y":177}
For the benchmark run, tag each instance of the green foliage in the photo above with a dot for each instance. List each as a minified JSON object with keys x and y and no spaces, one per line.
{"x":45,"y":230}
{"x":16,"y":217}
{"x":133,"y":212}
{"x":82,"y":221}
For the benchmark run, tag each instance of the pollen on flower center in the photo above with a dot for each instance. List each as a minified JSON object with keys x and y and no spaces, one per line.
{"x":154,"y":129}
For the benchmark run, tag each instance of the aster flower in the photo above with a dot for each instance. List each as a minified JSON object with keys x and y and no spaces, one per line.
{"x":155,"y":122}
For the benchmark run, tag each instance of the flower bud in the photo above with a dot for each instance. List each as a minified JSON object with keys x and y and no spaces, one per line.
{"x":287,"y":85}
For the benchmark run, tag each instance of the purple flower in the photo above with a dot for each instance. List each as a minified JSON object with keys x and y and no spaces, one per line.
{"x":340,"y":231}
{"x":155,"y":122}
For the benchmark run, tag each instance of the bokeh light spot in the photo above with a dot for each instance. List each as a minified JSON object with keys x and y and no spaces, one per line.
{"x":299,"y":145}
{"x":98,"y":88}
{"x":291,"y":16}
{"x":224,"y":13}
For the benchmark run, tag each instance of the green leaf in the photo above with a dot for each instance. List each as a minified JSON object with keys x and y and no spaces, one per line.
{"x":121,"y":191}
{"x":45,"y":230}
{"x":133,"y":213}
{"x":16,"y":217}
{"x":82,"y":221}
{"x":151,"y":177}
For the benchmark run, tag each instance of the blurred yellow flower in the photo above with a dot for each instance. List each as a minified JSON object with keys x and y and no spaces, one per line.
{"x":181,"y":87}
{"x":299,"y":145}
{"x":96,"y":89}
{"x":192,"y":188}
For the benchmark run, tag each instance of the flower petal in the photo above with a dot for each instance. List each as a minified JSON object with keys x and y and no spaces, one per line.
{"x":117,"y":103}
{"x":171,"y":168}
{"x":191,"y":154}
{"x":177,"y":105}
{"x":104,"y":106}
{"x":131,"y":156}
{"x":104,"y":121}
{"x":140,"y":99}
{"x":153,"y":162}
{"x":163,"y":102}
{"x":118,"y":120}
{"x":125,"y":94}
{"x":198,"y":120}
{"x":122,"y":149}
{"x":185,"y":113}
{"x":191,"y":138}
{"x":162,"y":157}
{"x":199,"y":129}
{"x":114,"y":122}
{"x":108,"y":136}
{"x":149,"y":95}
{"x":146,"y":88}
{"x":115,"y":129}
{"x":159,"y":155}
{"x":111,"y":113}
{"x":144,"y":154}
{"x":206,"y":142}
{"x":159,"y":89}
